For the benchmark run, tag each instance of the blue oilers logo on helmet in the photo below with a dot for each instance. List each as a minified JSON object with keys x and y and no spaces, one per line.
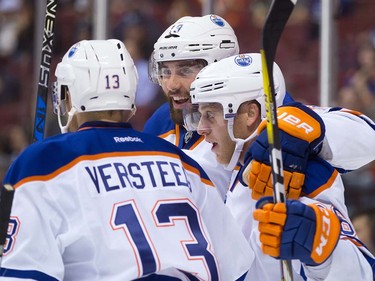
{"x":73,"y":50}
{"x":217,"y":20}
{"x":243,"y":60}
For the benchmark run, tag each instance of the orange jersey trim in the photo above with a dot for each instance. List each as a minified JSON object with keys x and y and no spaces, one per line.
{"x":171,"y":132}
{"x":200,"y":140}
{"x":325,"y":186}
{"x":354,"y":112}
{"x":177,"y":129}
{"x":108,"y":155}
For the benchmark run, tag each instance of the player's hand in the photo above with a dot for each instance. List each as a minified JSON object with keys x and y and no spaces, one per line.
{"x":301,"y":135}
{"x":293,"y":230}
{"x":258,"y":176}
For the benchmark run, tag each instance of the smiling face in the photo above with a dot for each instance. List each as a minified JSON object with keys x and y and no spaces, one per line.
{"x":214,"y":128}
{"x":175,"y":78}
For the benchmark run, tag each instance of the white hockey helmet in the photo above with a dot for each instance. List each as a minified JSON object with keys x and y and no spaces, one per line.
{"x":208,"y":37}
{"x":99,"y":75}
{"x":233,"y":81}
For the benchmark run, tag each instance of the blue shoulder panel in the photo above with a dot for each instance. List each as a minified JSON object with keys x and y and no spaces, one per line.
{"x":160,"y":122}
{"x":47,"y":156}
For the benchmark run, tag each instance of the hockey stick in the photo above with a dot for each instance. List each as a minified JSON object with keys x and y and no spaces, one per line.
{"x":7,"y":193}
{"x":45,"y":63}
{"x":6,"y":200}
{"x":276,"y":20}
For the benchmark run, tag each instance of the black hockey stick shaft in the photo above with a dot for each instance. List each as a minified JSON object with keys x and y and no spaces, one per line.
{"x":7,"y":194}
{"x":44,"y":70}
{"x":276,"y":20}
{"x":6,"y":200}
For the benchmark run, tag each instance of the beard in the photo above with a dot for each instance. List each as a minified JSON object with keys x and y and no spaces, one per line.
{"x":176,"y":114}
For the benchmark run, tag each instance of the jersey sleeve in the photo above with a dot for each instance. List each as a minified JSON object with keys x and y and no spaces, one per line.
{"x":32,"y":244}
{"x":350,"y":260}
{"x":340,"y":267}
{"x":350,"y":139}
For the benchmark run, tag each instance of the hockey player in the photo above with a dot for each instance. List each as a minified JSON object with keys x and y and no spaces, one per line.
{"x":193,"y":42}
{"x":179,"y":54}
{"x":105,"y":202}
{"x":228,"y":109}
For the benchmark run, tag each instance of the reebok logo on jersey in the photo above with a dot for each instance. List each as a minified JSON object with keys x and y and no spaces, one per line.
{"x":127,"y":139}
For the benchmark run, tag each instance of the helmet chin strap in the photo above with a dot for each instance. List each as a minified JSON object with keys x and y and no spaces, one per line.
{"x":64,"y":129}
{"x":239,"y":145}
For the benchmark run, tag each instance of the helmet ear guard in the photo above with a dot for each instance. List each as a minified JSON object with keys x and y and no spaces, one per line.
{"x":153,"y":69}
{"x":59,"y":95}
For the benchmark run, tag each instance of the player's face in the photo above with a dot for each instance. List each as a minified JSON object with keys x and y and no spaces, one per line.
{"x":213,"y":127}
{"x":175,"y":78}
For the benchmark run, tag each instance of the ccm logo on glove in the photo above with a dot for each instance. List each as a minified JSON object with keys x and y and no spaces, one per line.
{"x":322,"y":239}
{"x":294,"y":230}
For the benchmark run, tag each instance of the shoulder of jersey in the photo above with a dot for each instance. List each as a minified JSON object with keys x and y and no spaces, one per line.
{"x":160,"y":122}
{"x":51,"y":154}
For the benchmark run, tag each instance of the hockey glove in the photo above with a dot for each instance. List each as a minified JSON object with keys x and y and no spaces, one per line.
{"x":301,"y":135}
{"x":293,"y":230}
{"x":259,"y":179}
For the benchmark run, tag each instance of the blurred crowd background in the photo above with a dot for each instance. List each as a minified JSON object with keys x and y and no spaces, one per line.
{"x":139,"y":24}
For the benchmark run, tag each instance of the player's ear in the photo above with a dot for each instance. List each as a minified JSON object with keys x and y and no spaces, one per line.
{"x":253,"y":115}
{"x":68,"y":100}
{"x":253,"y":110}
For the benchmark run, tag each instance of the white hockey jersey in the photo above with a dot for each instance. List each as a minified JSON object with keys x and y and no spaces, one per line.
{"x":349,"y":141}
{"x":110,"y":203}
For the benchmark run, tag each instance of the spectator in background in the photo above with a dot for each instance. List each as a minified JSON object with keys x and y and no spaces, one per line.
{"x":4,"y":155}
{"x":17,"y":139}
{"x":10,"y":90}
{"x":13,"y":141}
{"x":148,"y":97}
{"x":9,"y":26}
{"x":134,"y":30}
{"x":364,"y":224}
{"x":349,"y":98}
{"x":9,"y":87}
{"x":16,"y":49}
{"x":363,"y":79}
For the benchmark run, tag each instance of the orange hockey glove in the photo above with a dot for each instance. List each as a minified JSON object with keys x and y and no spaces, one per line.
{"x":258,"y":177}
{"x":301,"y":135}
{"x":293,"y":230}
